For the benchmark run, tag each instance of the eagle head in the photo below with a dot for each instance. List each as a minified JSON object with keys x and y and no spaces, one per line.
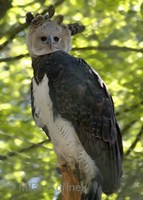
{"x":46,"y":36}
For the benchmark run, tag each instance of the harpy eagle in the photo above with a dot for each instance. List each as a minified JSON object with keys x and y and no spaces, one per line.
{"x":71,"y":103}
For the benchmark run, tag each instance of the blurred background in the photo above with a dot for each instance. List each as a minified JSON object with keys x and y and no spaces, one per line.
{"x":113,"y":44}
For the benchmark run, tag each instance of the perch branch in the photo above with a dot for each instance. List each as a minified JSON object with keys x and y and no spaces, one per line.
{"x":71,"y":189}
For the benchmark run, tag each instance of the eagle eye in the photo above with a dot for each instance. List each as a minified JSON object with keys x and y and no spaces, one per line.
{"x":56,"y":39}
{"x":43,"y":39}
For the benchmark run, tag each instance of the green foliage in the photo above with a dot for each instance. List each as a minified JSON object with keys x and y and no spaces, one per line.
{"x":112,"y":44}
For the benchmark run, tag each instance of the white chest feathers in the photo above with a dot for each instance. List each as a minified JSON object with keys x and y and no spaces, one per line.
{"x":64,"y":138}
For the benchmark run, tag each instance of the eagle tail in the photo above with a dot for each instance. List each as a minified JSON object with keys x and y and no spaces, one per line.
{"x":94,"y":193}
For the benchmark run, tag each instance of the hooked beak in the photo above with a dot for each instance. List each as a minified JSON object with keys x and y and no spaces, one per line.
{"x":49,"y":41}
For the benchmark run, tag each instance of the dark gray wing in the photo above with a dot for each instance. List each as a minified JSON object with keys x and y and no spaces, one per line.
{"x":80,"y":96}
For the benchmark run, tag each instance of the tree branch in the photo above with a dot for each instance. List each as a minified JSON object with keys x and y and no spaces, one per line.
{"x":132,"y":107}
{"x":128,"y":126}
{"x":12,"y":35}
{"x":108,"y":48}
{"x":71,"y":188}
{"x":9,"y":59}
{"x":100,"y":48}
{"x":33,"y":146}
{"x":138,"y":137}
